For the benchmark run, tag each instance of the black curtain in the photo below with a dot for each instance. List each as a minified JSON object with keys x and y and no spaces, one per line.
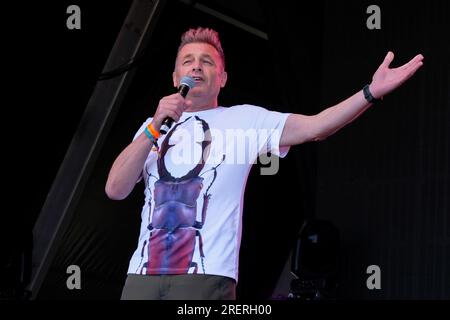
{"x":383,"y":180}
{"x":103,"y":233}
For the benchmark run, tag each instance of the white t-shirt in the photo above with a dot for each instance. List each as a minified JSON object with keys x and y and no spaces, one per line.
{"x":192,"y":216}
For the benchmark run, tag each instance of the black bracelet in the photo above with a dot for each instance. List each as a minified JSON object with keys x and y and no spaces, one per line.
{"x":369,"y":97}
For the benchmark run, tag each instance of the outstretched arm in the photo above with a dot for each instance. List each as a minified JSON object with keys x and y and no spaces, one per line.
{"x":300,"y":128}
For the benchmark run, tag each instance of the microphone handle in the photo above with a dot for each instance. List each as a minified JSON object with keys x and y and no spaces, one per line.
{"x":168,"y":122}
{"x":165,"y":127}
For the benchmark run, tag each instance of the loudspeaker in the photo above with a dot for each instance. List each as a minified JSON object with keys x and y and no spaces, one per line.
{"x":315,"y":261}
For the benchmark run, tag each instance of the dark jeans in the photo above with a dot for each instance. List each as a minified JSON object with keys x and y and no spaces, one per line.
{"x":178,"y":287}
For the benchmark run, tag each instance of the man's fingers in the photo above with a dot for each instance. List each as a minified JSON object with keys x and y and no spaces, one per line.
{"x":418,"y":61}
{"x":177,"y":109}
{"x":174,"y":98}
{"x":187,"y":104}
{"x":411,"y":70}
{"x":174,"y":115}
{"x":415,"y":67}
{"x":388,"y":59}
{"x":417,"y":58}
{"x":413,"y":62}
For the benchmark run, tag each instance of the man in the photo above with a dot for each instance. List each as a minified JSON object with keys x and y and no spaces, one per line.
{"x":195,"y":177}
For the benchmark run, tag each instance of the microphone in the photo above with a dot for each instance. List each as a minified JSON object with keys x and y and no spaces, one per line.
{"x":186,"y":84}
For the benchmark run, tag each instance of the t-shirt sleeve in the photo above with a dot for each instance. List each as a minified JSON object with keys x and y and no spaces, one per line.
{"x":269,"y":126}
{"x":141,"y":129}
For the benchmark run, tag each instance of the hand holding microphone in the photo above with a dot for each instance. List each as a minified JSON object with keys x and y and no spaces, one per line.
{"x":186,"y":84}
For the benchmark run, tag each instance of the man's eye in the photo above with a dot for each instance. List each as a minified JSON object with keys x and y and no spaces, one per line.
{"x":208,"y":62}
{"x":186,"y":62}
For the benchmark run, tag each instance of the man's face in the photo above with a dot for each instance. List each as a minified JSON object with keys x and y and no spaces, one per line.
{"x":202,"y":62}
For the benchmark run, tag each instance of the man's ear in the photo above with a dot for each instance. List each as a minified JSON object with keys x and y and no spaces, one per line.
{"x":174,"y":79}
{"x":223,"y":79}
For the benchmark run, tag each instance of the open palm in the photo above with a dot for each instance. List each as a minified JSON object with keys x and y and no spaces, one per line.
{"x":386,"y":80}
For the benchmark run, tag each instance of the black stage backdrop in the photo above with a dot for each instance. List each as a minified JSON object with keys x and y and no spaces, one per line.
{"x":383,"y":180}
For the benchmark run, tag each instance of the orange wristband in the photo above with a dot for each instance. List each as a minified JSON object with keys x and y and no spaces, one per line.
{"x":153,"y":131}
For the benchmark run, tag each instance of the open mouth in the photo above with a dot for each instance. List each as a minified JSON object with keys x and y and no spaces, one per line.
{"x":197,"y":79}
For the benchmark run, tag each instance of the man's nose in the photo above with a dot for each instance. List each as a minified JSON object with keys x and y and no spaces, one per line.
{"x":196,"y":67}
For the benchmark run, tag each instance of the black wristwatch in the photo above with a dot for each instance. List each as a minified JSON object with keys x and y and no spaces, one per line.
{"x":369,"y":97}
